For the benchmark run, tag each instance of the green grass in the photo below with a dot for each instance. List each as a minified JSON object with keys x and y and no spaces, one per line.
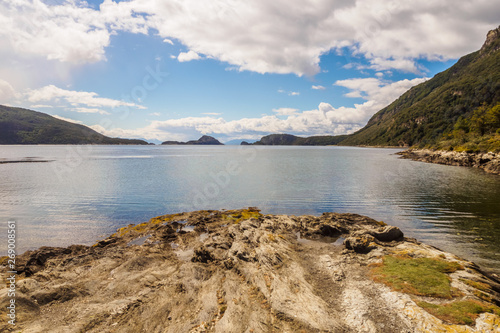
{"x":459,"y":312}
{"x":478,"y":285}
{"x":421,"y":276}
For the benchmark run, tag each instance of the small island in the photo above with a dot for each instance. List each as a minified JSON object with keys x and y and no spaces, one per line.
{"x":243,"y":271}
{"x":204,"y":140}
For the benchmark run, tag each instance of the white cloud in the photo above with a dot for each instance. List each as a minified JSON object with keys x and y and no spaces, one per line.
{"x":68,"y":119}
{"x":40,"y":106}
{"x":360,"y":87}
{"x":377,"y":91}
{"x":156,"y":114}
{"x":57,"y":96}
{"x":285,"y":111}
{"x":318,"y":87}
{"x":260,"y":36}
{"x":7,"y":92}
{"x":390,"y":34}
{"x":168,"y":41}
{"x":89,"y":110}
{"x":211,"y":113}
{"x":69,"y":31}
{"x":289,"y":93}
{"x":188,"y":56}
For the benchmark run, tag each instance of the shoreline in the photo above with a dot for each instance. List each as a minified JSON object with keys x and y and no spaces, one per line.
{"x":488,"y":162}
{"x":240,"y":270}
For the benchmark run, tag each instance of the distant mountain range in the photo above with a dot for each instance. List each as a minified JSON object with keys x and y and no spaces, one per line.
{"x":457,"y":109}
{"x":22,"y":126}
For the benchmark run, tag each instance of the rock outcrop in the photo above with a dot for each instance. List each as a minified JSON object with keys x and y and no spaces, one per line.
{"x":241,"y":271}
{"x":489,"y":162}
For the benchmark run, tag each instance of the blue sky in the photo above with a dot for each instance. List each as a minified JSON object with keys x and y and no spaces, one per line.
{"x":175,"y":70}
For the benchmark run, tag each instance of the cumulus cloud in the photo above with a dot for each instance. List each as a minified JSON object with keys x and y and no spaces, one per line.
{"x":260,"y":36}
{"x":390,"y":34}
{"x":376,"y":90}
{"x":188,"y":56}
{"x":360,"y":87}
{"x":324,"y":120}
{"x":285,"y":111}
{"x":318,"y":87}
{"x":57,"y":96}
{"x":6,"y":91}
{"x":90,"y":110}
{"x":69,"y":31}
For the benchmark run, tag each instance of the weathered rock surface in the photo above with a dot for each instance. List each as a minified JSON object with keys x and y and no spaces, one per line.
{"x":489,"y":162}
{"x":233,"y":271}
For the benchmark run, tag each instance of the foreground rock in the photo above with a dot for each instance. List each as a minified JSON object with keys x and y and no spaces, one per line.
{"x":489,"y":162}
{"x":240,"y":271}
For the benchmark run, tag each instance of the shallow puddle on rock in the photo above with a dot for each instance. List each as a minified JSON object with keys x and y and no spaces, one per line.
{"x":174,"y":245}
{"x":339,"y":241}
{"x":139,"y":241}
{"x":188,"y":228}
{"x":301,"y":240}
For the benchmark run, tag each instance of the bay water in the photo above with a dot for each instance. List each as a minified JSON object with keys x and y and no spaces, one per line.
{"x":84,"y":193}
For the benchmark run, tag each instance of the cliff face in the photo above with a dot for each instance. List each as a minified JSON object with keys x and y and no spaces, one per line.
{"x":241,"y":271}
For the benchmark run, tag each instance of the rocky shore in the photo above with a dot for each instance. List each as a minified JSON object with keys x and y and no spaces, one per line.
{"x":489,"y":162}
{"x":241,"y":271}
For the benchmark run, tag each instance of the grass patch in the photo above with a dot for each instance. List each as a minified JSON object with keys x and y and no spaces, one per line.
{"x":459,"y":312}
{"x":475,"y":284}
{"x":420,"y":276}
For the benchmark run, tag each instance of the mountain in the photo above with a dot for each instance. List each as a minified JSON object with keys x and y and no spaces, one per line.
{"x":239,"y":141}
{"x":22,"y":126}
{"x":292,"y":140}
{"x":456,"y":109}
{"x":204,"y":140}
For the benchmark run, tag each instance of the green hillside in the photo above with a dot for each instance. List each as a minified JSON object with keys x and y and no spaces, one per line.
{"x":456,"y":109}
{"x":22,"y":126}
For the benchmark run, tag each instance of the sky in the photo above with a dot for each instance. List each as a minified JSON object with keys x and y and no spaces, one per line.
{"x":178,"y":69}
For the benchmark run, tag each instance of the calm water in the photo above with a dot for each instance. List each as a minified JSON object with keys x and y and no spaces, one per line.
{"x":87,"y":192}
